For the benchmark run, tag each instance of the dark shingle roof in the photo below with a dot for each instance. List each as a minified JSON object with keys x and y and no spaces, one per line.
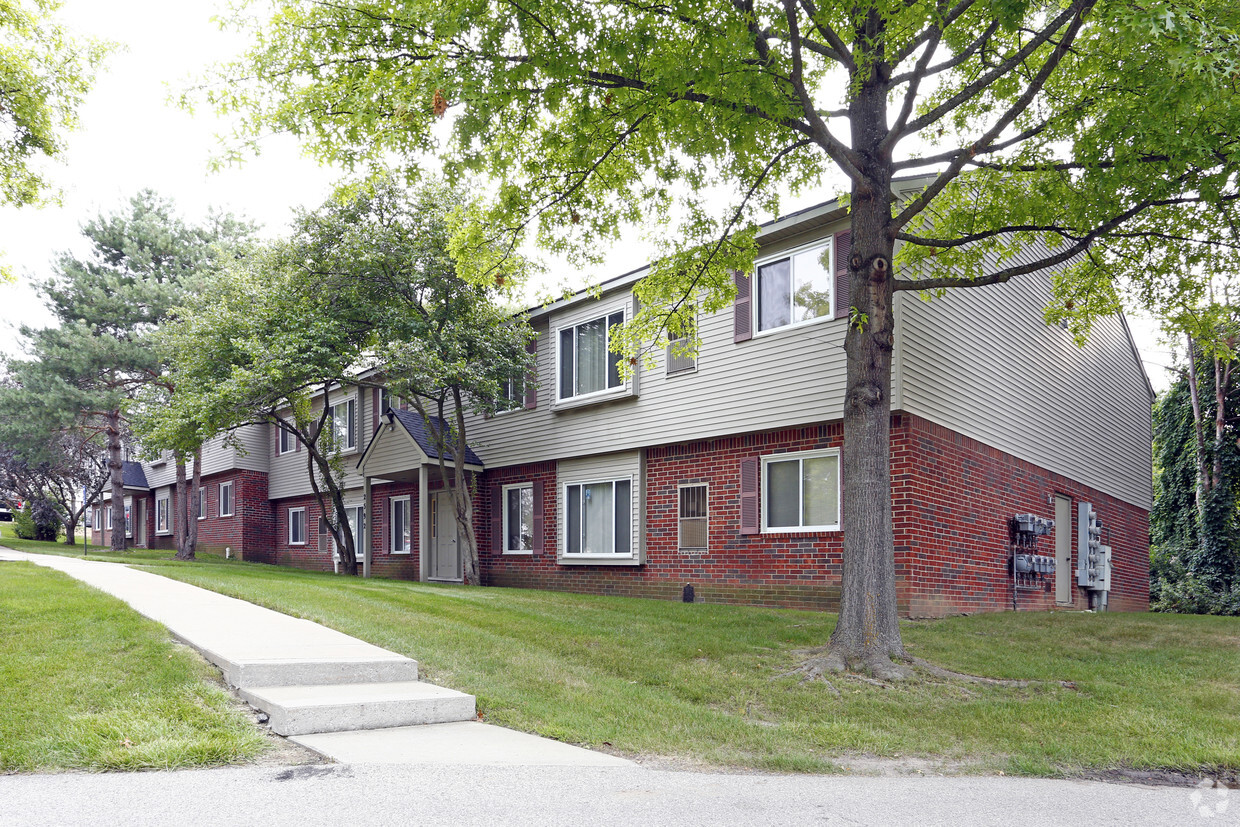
{"x":133,"y":476}
{"x":416,"y":428}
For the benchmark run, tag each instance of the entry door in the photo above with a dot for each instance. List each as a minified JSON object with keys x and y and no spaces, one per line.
{"x":1063,"y":550}
{"x":357,"y":520}
{"x":139,"y":523}
{"x":445,"y":562}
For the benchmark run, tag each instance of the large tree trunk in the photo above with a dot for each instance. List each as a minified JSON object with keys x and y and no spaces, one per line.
{"x":179,"y":509}
{"x":463,"y":501}
{"x":116,"y":468}
{"x":867,"y":634}
{"x":191,"y":519}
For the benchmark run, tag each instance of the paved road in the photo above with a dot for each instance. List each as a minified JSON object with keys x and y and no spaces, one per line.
{"x":368,"y":794}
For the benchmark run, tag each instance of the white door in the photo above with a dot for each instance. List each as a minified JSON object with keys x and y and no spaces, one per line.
{"x":139,"y":523}
{"x":445,"y":562}
{"x":357,"y":520}
{"x":1063,"y":550}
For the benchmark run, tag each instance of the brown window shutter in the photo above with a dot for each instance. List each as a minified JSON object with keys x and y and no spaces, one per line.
{"x":531,"y":381}
{"x":497,"y":519}
{"x":742,"y":318}
{"x":538,"y":517}
{"x":751,"y":522}
{"x":374,"y":410}
{"x":275,"y":448}
{"x":843,"y":249}
{"x":384,"y":543}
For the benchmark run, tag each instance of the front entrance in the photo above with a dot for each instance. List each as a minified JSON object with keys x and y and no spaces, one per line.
{"x":445,"y":550}
{"x":139,"y":523}
{"x":1063,"y":550}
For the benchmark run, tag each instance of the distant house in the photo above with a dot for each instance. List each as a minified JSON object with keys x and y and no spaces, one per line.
{"x":722,"y":472}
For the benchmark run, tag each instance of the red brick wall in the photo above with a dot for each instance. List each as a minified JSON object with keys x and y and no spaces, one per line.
{"x":790,"y":569}
{"x":953,"y":497}
{"x":246,"y":533}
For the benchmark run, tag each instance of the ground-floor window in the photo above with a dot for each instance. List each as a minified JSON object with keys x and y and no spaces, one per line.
{"x":598,"y":517}
{"x":202,"y":503}
{"x":801,"y":491}
{"x":226,"y":499}
{"x":297,"y":526}
{"x":519,"y":518}
{"x":401,"y":535}
{"x":692,"y":531}
{"x":163,"y":511}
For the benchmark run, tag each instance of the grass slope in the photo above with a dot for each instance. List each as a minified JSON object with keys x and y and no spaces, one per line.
{"x":87,"y":683}
{"x":704,"y":682}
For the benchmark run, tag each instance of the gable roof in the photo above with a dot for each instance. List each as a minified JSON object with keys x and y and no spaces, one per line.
{"x":132,"y":475}
{"x":413,"y":423}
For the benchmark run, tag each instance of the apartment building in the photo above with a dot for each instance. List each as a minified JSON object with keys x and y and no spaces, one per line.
{"x":722,"y":472}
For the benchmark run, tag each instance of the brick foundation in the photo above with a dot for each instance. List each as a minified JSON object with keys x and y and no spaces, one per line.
{"x":952,"y":499}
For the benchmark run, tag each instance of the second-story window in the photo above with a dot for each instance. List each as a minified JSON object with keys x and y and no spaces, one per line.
{"x":344,"y":424}
{"x":794,"y":289}
{"x":512,"y":394}
{"x":586,"y":365}
{"x":286,"y":440}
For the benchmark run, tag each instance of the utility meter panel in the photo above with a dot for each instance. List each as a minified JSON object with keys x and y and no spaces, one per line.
{"x":1093,"y":561}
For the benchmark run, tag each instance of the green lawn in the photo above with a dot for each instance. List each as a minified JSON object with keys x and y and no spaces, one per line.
{"x":87,"y":683}
{"x":704,"y":682}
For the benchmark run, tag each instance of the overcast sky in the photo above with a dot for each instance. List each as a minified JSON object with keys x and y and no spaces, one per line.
{"x":131,"y":138}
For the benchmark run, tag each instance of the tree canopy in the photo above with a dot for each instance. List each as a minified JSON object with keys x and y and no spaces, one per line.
{"x":364,"y":293}
{"x":1097,"y":137}
{"x":45,"y":73}
{"x":88,"y":371}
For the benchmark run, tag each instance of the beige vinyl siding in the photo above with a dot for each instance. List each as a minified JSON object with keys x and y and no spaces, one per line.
{"x":785,"y":377}
{"x":983,"y":362}
{"x":248,"y":449}
{"x":395,"y":452}
{"x":627,"y":465}
{"x":289,"y":474}
{"x":253,"y":451}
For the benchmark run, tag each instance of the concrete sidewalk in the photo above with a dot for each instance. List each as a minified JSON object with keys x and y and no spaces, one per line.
{"x":335,"y":694}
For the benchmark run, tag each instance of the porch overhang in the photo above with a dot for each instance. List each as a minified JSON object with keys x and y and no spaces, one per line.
{"x":401,"y":446}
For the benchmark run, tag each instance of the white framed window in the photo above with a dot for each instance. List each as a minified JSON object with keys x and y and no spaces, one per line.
{"x":163,"y":514}
{"x":94,"y":518}
{"x":512,"y":395}
{"x":202,"y":503}
{"x":586,"y":366}
{"x":519,"y":518}
{"x":297,"y":526}
{"x":402,"y":535}
{"x":128,"y":519}
{"x":598,"y":520}
{"x":801,"y":491}
{"x":692,"y":529}
{"x":287,"y":444}
{"x":226,"y":499}
{"x":108,"y":512}
{"x":344,"y":424}
{"x":797,"y":288}
{"x":678,"y":361}
{"x":385,"y":400}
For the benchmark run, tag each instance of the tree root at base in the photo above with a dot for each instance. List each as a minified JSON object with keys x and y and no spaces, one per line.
{"x":884,"y":672}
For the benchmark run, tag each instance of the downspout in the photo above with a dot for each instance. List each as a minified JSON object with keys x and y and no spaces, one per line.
{"x":365,"y":525}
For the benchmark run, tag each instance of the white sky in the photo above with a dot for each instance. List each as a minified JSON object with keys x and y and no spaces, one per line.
{"x":131,"y":138}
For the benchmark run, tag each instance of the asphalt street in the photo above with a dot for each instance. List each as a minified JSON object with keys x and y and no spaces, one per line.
{"x":371,"y":794}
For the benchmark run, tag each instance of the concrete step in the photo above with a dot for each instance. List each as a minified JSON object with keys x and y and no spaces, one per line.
{"x":301,"y":710}
{"x":245,"y":674}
